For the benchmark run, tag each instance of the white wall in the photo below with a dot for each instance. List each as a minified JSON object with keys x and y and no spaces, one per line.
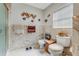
{"x":17,"y":9}
{"x":50,"y":10}
{"x":15,"y":18}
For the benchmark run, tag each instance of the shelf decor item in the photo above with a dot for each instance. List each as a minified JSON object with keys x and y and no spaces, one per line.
{"x":24,"y":18}
{"x":48,"y":15}
{"x":27,"y":15}
{"x":46,"y":20}
{"x":38,"y":19}
{"x":32,"y":20}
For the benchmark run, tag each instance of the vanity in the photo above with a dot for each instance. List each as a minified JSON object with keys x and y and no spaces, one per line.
{"x":48,"y":42}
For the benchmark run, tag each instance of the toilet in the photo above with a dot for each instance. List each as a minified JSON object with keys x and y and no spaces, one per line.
{"x":56,"y":49}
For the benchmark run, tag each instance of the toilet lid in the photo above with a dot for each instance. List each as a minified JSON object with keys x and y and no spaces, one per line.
{"x":55,"y":47}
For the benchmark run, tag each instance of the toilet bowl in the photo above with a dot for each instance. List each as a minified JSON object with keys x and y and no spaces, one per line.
{"x":55,"y":49}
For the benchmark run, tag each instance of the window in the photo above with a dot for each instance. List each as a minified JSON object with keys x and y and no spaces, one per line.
{"x":63,"y":17}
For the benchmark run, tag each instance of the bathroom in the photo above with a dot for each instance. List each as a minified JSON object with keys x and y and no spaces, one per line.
{"x":26,"y":32}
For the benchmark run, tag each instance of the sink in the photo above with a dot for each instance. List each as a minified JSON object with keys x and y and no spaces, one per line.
{"x":41,"y":43}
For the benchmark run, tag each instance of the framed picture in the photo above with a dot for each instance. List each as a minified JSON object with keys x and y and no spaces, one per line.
{"x":31,"y":29}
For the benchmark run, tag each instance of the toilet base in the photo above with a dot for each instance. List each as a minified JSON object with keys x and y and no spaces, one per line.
{"x":55,"y":49}
{"x":55,"y":53}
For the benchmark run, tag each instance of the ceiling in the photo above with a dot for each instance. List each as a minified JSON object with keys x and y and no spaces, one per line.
{"x":39,"y":5}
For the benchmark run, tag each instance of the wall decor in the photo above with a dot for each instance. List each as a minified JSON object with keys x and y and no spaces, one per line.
{"x":25,"y":14}
{"x":32,"y":20}
{"x":33,"y":16}
{"x":17,"y":29}
{"x":28,"y":15}
{"x":46,"y":20}
{"x":48,"y":15}
{"x":38,"y":19}
{"x":24,"y":18}
{"x":31,"y":29}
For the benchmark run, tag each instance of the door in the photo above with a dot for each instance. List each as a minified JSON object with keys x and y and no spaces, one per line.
{"x":3,"y":18}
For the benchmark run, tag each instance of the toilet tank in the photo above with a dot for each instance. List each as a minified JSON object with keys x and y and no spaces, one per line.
{"x":64,"y":41}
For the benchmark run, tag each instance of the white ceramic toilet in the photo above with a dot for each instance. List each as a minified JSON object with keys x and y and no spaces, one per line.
{"x":57,"y":48}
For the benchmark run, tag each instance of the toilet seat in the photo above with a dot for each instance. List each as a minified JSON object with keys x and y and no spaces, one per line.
{"x":55,"y":47}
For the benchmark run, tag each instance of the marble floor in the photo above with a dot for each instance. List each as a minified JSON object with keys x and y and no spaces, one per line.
{"x":23,"y":52}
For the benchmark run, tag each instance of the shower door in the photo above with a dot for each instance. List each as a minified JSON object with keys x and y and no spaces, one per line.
{"x":3,"y":19}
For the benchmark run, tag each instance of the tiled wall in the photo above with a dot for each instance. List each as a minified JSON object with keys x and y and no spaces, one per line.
{"x":15,"y":18}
